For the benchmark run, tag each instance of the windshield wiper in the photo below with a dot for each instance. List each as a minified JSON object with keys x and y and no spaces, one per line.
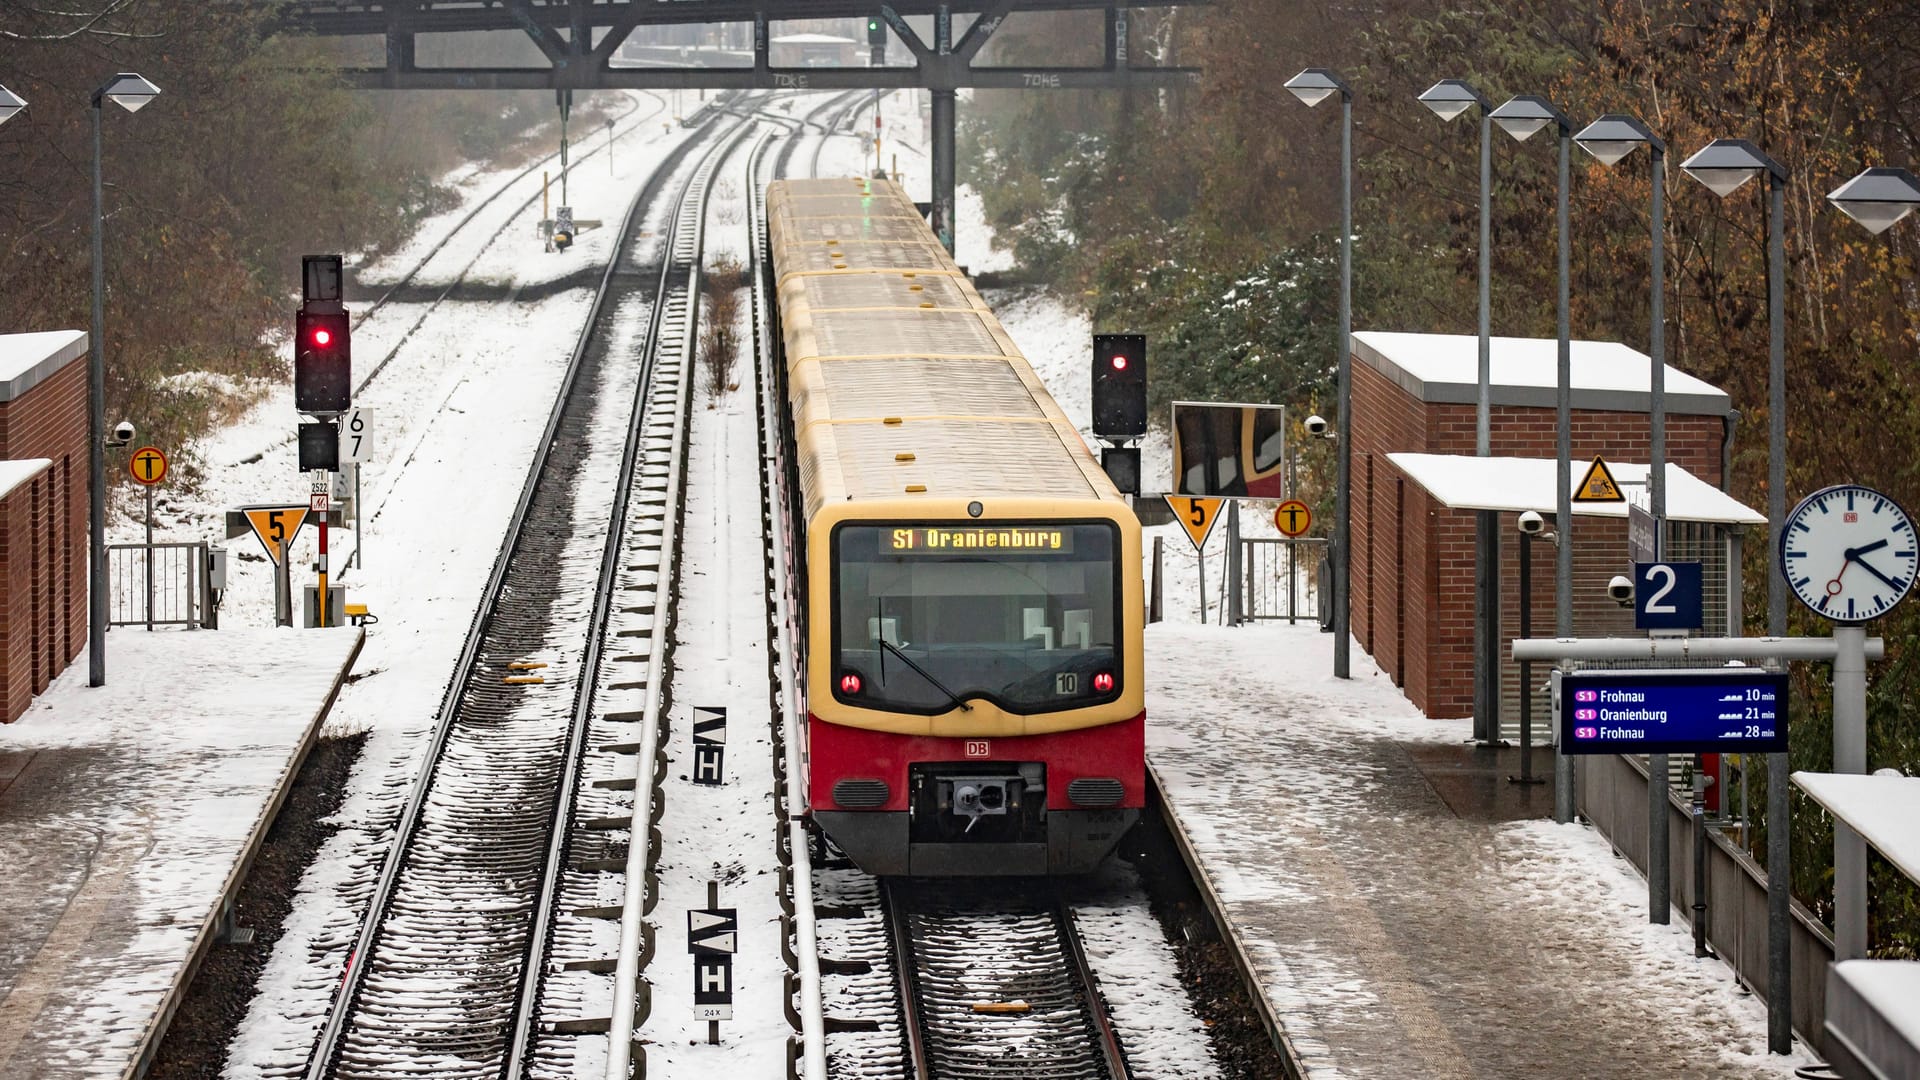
{"x":937,"y":684}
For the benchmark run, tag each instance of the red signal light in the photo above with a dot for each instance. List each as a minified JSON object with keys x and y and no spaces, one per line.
{"x":1103,"y":682}
{"x":1119,"y":362}
{"x":850,"y":683}
{"x":322,"y":337}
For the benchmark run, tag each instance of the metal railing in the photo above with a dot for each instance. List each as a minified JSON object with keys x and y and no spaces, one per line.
{"x":1283,"y":579}
{"x":162,"y":584}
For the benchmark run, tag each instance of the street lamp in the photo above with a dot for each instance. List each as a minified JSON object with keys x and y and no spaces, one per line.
{"x":130,"y":92}
{"x":1724,"y":166}
{"x":1524,"y":117}
{"x":1610,"y":139}
{"x":1312,"y":87}
{"x":1448,"y":99}
{"x":10,"y":103}
{"x":1878,"y":198}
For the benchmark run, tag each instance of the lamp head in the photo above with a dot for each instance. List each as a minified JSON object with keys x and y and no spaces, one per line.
{"x":10,"y":103}
{"x":1614,"y":136}
{"x":1878,"y":198}
{"x":1724,"y":165}
{"x":1449,"y":98}
{"x":1524,"y":116}
{"x":127,"y":90}
{"x":1316,"y":85}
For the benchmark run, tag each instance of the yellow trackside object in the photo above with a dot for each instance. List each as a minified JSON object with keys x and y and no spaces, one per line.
{"x":522,"y":680}
{"x":1001,"y":1007}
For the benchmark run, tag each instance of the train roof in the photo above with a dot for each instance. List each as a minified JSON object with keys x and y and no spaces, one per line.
{"x":903,"y":384}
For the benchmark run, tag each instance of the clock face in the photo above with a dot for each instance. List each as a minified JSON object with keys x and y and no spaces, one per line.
{"x":1849,"y":553}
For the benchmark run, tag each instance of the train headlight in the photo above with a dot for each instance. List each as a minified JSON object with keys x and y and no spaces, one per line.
{"x":1103,"y":682}
{"x":850,"y":682}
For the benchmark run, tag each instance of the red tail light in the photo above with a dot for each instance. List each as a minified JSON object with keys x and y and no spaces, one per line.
{"x":850,"y":683}
{"x":1103,"y":682}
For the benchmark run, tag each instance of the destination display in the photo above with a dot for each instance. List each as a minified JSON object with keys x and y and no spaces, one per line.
{"x":1723,"y":710}
{"x":946,"y":540}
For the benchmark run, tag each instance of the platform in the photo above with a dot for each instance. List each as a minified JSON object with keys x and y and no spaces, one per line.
{"x":1404,"y":912}
{"x":128,"y":815}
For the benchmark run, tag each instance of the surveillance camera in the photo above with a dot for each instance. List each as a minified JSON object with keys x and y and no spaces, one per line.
{"x":1316,"y":425}
{"x":1532,"y":523}
{"x":122,"y":433}
{"x":1620,"y":590}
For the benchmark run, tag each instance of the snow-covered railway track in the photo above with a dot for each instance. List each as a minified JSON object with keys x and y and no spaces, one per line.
{"x":994,"y":982}
{"x":497,"y":918}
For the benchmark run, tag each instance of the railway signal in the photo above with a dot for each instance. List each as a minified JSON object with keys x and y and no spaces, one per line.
{"x":1119,"y":386}
{"x":322,"y":341}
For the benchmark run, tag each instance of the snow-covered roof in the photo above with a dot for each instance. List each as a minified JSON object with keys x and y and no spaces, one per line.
{"x":26,"y":359}
{"x":1507,"y":483}
{"x":1525,"y":371}
{"x":1880,"y":808}
{"x":15,"y":473}
{"x":812,"y":39}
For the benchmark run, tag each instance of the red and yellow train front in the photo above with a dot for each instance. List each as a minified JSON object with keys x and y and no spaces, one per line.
{"x":974,"y":683}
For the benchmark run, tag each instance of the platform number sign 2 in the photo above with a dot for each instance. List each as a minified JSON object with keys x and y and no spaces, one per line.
{"x":1667,"y":596}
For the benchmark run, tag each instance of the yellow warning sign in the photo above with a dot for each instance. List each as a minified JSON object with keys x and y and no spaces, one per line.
{"x":1196,"y":515}
{"x":1293,"y":518}
{"x":276,"y":524}
{"x":1598,"y":485}
{"x":148,"y":465}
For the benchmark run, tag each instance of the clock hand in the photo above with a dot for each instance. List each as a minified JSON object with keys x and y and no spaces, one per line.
{"x":1868,"y":567}
{"x":1853,"y":554}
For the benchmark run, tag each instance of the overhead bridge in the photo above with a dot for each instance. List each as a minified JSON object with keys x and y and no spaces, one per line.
{"x":579,"y":40}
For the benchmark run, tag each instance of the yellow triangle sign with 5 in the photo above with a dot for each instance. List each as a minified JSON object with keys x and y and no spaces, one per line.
{"x":1598,"y":485}
{"x":1195,"y":515}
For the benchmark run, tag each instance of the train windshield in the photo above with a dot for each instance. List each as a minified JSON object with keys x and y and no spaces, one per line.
{"x":1024,"y":615}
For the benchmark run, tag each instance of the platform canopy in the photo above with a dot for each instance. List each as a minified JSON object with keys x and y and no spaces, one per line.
{"x":1880,"y":808}
{"x":1461,"y":482}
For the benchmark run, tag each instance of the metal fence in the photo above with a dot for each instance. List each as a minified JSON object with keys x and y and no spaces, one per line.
{"x":1283,"y":579}
{"x":162,"y":586}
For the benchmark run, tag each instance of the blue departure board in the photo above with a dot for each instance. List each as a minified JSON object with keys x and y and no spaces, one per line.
{"x":1724,"y":710}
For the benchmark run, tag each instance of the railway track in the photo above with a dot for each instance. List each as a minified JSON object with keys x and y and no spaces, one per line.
{"x":486,"y":946}
{"x":994,"y":982}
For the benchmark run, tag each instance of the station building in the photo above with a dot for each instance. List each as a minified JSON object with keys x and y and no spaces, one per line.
{"x":43,"y":511}
{"x":1416,"y":487}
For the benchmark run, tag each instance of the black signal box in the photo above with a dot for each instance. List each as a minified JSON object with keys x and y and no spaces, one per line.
{"x":322,"y":362}
{"x":319,"y":447}
{"x":1123,"y":467}
{"x":1119,"y":386}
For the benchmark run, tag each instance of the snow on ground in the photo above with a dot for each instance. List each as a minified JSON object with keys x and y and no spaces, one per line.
{"x":128,"y":821}
{"x":1393,"y":936}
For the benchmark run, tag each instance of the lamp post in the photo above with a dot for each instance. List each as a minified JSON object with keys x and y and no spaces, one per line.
{"x":130,"y":92}
{"x":1523,"y":117}
{"x":1724,"y":166}
{"x":1448,"y":99}
{"x":1312,"y":87}
{"x":1610,"y":139}
{"x":1877,"y":199}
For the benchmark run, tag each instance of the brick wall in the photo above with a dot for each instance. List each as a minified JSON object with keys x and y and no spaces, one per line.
{"x":1412,"y":559}
{"x":43,"y":538}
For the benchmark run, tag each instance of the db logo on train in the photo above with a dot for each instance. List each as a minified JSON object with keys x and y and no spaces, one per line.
{"x":978,"y":748}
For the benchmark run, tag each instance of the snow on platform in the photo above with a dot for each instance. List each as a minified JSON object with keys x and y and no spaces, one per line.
{"x":1881,"y":809}
{"x":1391,"y":937}
{"x":126,"y":811}
{"x":1873,"y":1017}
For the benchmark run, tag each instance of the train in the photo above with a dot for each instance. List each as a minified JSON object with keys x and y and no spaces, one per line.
{"x":971,"y":580}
